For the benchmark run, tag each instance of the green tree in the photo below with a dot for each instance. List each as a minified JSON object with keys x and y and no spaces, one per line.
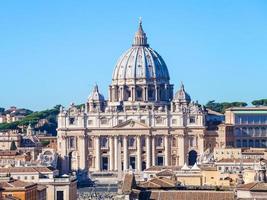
{"x":13,"y":146}
{"x":260,"y":102}
{"x":221,"y":107}
{"x":2,"y":110}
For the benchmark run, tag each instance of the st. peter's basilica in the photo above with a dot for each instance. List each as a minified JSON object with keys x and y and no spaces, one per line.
{"x":141,"y":124}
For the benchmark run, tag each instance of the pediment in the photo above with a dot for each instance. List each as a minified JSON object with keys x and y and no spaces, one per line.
{"x":131,"y":124}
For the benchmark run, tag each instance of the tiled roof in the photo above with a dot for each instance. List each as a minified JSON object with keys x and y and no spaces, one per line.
{"x":12,"y":184}
{"x":186,"y":195}
{"x":254,"y":186}
{"x":158,"y":182}
{"x":26,"y":169}
{"x":165,"y":173}
{"x":238,"y":160}
{"x":41,"y":187}
{"x":160,"y":168}
{"x":8,"y":153}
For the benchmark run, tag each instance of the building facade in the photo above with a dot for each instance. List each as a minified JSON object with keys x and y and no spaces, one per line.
{"x":247,"y":125}
{"x":142,"y":123}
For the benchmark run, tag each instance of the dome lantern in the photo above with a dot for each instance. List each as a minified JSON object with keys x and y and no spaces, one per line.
{"x":140,"y":38}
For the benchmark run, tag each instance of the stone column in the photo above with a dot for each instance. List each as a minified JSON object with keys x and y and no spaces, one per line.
{"x":139,"y":153}
{"x":125,"y":153}
{"x":83,"y":152}
{"x":147,"y":93}
{"x":110,"y":94}
{"x":97,"y":154}
{"x":156,"y":93}
{"x":111,"y":154}
{"x":167,"y":150}
{"x":181,"y":149}
{"x":148,"y":152}
{"x":117,"y":153}
{"x":153,"y":151}
{"x":201,"y":143}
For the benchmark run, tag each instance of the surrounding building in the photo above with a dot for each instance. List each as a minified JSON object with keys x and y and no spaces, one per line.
{"x":57,"y":187}
{"x":165,"y":188}
{"x":142,"y":124}
{"x":247,"y":127}
{"x":20,"y":190}
{"x":13,"y":114}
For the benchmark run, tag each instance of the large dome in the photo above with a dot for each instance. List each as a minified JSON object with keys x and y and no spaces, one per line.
{"x":140,"y":78}
{"x":140,"y":63}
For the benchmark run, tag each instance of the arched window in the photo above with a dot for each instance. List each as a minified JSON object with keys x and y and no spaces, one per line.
{"x":159,"y":142}
{"x":72,"y":142}
{"x":104,"y":142}
{"x":90,"y":143}
{"x":150,"y":93}
{"x":139,"y":92}
{"x":143,"y":141}
{"x":131,"y":141}
{"x":174,"y":142}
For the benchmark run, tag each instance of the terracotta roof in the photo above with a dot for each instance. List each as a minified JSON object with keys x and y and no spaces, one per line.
{"x":238,"y":160}
{"x":154,"y":168}
{"x":41,"y":187}
{"x":208,"y":168}
{"x":165,"y":173}
{"x":187,"y":195}
{"x":158,"y":182}
{"x":8,"y":153}
{"x":128,"y":183}
{"x":26,"y":169}
{"x":160,"y":168}
{"x":254,"y":186}
{"x":14,"y":184}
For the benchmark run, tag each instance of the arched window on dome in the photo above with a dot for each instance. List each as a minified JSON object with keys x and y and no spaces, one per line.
{"x":139,"y":92}
{"x":151,"y":94}
{"x":128,"y":94}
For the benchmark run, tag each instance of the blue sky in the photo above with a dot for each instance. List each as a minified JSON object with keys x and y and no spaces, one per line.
{"x":52,"y":52}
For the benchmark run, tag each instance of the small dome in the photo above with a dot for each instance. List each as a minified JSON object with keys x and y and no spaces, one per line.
{"x":140,"y":62}
{"x":95,"y":95}
{"x":182,"y":96}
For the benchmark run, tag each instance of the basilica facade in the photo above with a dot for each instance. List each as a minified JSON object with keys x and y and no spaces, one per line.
{"x":142,"y":123}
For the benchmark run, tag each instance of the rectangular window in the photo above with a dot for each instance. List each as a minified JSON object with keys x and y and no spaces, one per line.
{"x":104,"y":121}
{"x":174,"y":121}
{"x":90,"y":122}
{"x":160,"y":160}
{"x":60,"y":195}
{"x":159,"y":120}
{"x":192,"y":120}
{"x":72,"y":120}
